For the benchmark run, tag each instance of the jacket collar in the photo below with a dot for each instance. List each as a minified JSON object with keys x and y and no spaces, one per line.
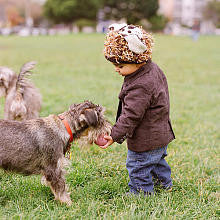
{"x":139,"y":72}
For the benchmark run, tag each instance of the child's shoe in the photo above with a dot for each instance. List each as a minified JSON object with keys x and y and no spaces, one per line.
{"x":158,"y":183}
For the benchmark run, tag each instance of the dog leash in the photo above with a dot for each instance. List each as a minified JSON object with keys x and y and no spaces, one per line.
{"x":66,"y":124}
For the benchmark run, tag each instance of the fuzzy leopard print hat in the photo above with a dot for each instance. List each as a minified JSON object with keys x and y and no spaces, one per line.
{"x":127,"y":44}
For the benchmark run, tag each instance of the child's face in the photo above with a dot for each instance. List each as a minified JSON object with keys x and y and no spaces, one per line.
{"x":126,"y":69}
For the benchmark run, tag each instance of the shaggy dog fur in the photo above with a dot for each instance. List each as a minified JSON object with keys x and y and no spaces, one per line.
{"x":38,"y":146}
{"x":22,"y":98}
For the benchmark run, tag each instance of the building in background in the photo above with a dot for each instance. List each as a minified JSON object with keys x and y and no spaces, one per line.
{"x":3,"y":18}
{"x":183,"y":11}
{"x":180,"y":13}
{"x":166,"y":8}
{"x":188,"y":11}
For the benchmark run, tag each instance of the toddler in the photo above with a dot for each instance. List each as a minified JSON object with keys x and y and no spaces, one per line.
{"x":143,"y":110}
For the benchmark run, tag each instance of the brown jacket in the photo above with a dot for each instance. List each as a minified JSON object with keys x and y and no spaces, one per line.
{"x":143,"y":111}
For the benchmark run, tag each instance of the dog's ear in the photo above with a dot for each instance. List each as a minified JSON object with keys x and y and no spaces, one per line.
{"x":6,"y":75}
{"x":91,"y":117}
{"x":4,"y":85}
{"x":4,"y":81}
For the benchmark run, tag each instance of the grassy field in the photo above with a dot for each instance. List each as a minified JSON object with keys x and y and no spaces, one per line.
{"x":72,"y":69}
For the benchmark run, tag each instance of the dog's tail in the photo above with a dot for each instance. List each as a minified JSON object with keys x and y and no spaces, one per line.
{"x":24,"y":72}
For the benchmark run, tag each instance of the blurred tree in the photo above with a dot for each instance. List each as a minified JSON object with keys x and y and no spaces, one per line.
{"x":13,"y":16}
{"x":82,"y":22}
{"x":212,"y":12}
{"x":68,"y":11}
{"x":133,"y":10}
{"x":158,"y":23}
{"x":15,"y":11}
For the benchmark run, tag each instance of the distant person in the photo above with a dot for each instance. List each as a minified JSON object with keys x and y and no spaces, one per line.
{"x":143,"y":110}
{"x":195,"y":30}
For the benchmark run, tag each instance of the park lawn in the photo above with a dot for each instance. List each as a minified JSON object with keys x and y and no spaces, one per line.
{"x":72,"y":69}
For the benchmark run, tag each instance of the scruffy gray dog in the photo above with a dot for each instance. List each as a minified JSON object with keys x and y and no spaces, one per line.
{"x":22,"y":98}
{"x":38,"y":146}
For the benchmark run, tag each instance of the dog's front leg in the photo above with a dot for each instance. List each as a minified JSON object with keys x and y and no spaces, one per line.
{"x":44,"y":181}
{"x":54,"y":178}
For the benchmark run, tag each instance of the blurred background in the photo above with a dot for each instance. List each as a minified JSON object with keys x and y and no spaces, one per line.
{"x":51,"y":17}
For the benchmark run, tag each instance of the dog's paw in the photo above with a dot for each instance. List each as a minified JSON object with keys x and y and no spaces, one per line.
{"x":65,"y":199}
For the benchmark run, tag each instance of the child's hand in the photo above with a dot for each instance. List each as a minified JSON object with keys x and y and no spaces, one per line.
{"x":110,"y":142}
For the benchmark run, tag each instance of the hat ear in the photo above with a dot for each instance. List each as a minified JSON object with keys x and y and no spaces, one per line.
{"x":91,"y":117}
{"x":129,"y":44}
{"x":135,"y":44}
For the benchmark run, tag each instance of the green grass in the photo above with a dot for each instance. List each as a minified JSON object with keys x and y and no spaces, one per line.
{"x":72,"y":69}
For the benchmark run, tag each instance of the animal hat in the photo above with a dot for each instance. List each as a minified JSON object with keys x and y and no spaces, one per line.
{"x":127,"y":44}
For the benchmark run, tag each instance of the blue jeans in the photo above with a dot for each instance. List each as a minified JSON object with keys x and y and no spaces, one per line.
{"x":144,"y":166}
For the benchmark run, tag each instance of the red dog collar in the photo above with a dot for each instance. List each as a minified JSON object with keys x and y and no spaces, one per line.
{"x":66,"y":124}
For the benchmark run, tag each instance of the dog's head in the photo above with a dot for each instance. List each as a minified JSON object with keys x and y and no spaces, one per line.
{"x":6,"y":76}
{"x":87,"y":111}
{"x":88,"y":121}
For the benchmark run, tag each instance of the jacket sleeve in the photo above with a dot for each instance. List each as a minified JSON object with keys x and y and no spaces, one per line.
{"x":136,"y":101}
